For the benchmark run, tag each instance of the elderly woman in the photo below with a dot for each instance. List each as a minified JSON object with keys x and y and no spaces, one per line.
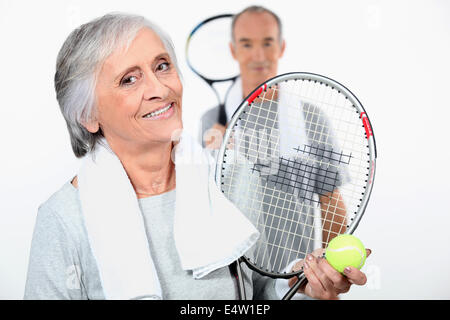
{"x":132,"y":224}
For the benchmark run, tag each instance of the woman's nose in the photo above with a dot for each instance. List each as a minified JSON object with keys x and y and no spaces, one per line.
{"x":154,"y":88}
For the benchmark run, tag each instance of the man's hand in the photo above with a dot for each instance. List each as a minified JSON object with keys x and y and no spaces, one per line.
{"x":324,"y":282}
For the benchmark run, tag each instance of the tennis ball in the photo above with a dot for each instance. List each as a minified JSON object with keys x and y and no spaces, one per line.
{"x":345,"y":250}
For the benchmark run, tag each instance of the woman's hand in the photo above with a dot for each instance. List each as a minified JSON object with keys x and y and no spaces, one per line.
{"x":324,"y":282}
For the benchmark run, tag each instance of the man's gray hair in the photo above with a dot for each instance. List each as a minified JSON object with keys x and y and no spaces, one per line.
{"x":78,"y":63}
{"x":258,"y":9}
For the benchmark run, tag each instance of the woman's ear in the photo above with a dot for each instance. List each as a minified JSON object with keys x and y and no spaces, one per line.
{"x":92,"y":126}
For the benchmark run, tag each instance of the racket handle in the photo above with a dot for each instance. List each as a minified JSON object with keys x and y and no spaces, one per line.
{"x":222,"y":118}
{"x":241,"y":286}
{"x":236,"y":271}
{"x":301,"y":280}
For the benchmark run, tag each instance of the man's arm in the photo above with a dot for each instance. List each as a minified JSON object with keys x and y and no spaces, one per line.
{"x":334,"y":221}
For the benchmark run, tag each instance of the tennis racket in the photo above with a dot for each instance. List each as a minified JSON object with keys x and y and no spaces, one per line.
{"x":211,"y":37}
{"x":298,"y":159}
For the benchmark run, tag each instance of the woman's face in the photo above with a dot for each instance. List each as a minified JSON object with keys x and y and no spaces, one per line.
{"x":138,"y":94}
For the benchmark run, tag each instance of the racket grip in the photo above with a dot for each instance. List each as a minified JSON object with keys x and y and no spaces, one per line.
{"x":301,"y":280}
{"x":222,"y":117}
{"x":236,"y":271}
{"x":242,"y":295}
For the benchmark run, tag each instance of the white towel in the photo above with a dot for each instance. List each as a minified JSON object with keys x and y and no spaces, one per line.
{"x":209,"y":231}
{"x":291,"y":119}
{"x":291,"y":123}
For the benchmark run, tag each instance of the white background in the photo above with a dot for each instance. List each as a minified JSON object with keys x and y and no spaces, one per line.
{"x":394,"y":55}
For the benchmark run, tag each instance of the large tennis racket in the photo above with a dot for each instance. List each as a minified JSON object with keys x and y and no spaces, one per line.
{"x":298,"y":159}
{"x":210,"y":38}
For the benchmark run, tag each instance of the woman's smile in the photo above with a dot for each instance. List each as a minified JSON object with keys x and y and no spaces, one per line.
{"x":164,"y":112}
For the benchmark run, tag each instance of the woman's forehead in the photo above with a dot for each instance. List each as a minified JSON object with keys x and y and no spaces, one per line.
{"x":146,"y":45}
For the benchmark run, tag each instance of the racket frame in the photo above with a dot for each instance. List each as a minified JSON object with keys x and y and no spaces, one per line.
{"x":372,"y":152}
{"x":222,"y":115}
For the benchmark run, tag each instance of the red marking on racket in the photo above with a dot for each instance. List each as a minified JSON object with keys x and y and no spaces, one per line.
{"x":256,"y":93}
{"x":366,"y":124}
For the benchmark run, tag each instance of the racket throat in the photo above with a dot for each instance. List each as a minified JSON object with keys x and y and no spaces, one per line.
{"x":236,"y":271}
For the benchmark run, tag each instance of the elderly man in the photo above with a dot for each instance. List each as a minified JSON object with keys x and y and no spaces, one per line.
{"x":257,"y":44}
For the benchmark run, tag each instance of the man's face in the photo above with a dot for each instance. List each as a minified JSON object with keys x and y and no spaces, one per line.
{"x":257,"y":46}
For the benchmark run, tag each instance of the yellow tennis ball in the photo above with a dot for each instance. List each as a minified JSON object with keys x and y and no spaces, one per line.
{"x":344,"y":251}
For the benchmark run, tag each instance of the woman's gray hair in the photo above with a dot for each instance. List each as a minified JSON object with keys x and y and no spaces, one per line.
{"x":79,"y":62}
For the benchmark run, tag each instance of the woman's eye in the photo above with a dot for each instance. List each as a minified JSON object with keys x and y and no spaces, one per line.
{"x":128,"y":80}
{"x":163,"y":66}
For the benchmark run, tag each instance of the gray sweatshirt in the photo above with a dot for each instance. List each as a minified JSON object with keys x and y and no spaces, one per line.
{"x":62,"y":265}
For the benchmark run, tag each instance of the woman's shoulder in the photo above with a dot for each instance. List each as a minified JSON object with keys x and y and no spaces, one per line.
{"x":65,"y":199}
{"x":63,"y":205}
{"x":60,"y":251}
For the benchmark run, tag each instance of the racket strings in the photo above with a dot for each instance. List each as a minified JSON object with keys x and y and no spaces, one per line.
{"x":276,"y":199}
{"x":287,"y":219}
{"x":285,"y":202}
{"x":330,"y":151}
{"x":304,"y":168}
{"x":334,"y":207}
{"x":285,"y":222}
{"x":268,"y":246}
{"x":320,"y":133}
{"x":329,"y":231}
